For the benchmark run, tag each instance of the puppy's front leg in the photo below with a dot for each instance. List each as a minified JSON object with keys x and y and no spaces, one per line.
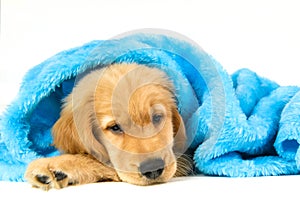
{"x":68,"y":169}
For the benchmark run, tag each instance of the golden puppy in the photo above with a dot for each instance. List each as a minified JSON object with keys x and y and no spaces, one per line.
{"x":119,"y":123}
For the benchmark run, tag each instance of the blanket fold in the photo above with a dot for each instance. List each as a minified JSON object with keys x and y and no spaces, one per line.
{"x":238,"y":125}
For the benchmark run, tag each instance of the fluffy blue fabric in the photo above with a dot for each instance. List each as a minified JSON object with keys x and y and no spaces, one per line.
{"x":241,"y":125}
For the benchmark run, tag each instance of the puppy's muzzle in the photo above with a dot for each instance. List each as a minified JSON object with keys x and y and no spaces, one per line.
{"x":152,"y":168}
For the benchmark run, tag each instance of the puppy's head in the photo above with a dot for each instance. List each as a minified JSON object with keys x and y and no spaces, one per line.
{"x":130,"y":120}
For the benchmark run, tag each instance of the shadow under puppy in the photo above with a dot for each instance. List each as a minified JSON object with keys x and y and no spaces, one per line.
{"x":120,"y":123}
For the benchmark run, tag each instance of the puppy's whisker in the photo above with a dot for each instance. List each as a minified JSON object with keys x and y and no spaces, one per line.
{"x":184,"y":165}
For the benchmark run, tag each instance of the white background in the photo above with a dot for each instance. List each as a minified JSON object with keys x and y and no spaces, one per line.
{"x":263,"y":35}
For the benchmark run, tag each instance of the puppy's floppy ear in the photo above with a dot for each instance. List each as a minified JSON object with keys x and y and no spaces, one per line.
{"x":65,"y":136}
{"x":180,"y":138}
{"x":85,"y":122}
{"x":73,"y":132}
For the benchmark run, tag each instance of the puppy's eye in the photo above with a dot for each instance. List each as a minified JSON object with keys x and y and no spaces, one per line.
{"x":156,"y":118}
{"x":116,"y":128}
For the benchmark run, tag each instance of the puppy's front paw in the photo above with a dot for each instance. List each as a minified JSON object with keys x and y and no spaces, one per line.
{"x":42,"y":174}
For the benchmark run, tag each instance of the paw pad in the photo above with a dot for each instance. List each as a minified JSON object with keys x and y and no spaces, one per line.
{"x":43,"y":179}
{"x":59,"y":175}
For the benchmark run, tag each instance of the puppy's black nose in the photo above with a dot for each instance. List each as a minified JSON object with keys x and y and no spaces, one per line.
{"x":152,"y":168}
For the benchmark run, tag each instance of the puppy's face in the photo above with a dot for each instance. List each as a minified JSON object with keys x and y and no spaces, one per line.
{"x":136,"y":124}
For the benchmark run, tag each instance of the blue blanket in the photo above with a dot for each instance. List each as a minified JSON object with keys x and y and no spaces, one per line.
{"x":239,"y":125}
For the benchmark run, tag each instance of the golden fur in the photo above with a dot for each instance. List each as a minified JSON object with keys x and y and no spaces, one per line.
{"x":114,"y":120}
